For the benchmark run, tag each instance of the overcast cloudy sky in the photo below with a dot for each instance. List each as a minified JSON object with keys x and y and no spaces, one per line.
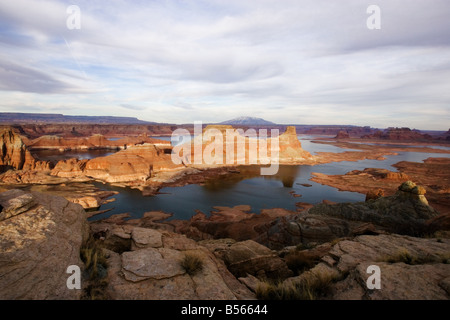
{"x":299,"y":61}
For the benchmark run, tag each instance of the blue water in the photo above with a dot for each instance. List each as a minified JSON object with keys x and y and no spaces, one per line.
{"x":403,"y":145}
{"x":250,"y":188}
{"x":313,"y":147}
{"x":258,"y":192}
{"x":55,"y":155}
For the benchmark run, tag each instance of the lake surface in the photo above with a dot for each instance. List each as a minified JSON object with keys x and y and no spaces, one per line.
{"x":55,"y":155}
{"x":250,"y":188}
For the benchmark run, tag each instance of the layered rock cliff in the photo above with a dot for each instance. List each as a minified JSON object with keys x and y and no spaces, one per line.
{"x":15,"y":154}
{"x":96,"y":141}
{"x":13,"y":151}
{"x":399,"y":134}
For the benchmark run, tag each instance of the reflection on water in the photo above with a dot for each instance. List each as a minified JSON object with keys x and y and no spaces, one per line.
{"x":286,"y":175}
{"x":313,"y":147}
{"x":246,"y":187}
{"x":56,"y":155}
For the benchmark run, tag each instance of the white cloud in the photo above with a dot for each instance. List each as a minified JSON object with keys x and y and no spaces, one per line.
{"x":180,"y":61}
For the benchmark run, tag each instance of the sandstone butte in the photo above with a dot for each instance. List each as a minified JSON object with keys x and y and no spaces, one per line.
{"x":290,"y":150}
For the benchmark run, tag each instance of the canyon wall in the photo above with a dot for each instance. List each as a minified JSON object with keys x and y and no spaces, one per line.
{"x":15,"y":154}
{"x":96,"y":141}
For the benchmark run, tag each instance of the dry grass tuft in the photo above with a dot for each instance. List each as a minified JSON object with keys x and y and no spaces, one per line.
{"x":192,"y":264}
{"x":315,"y":287}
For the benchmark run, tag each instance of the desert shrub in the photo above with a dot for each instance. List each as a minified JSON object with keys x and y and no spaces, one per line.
{"x":299,"y":261}
{"x":95,"y":263}
{"x":403,"y":255}
{"x":192,"y":264}
{"x":445,"y":258}
{"x":305,"y":246}
{"x":314,"y":287}
{"x":279,"y":291}
{"x":94,"y":259}
{"x":335,"y":241}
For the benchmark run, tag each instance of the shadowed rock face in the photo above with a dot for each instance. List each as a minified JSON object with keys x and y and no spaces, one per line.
{"x":406,"y":212}
{"x":41,"y":235}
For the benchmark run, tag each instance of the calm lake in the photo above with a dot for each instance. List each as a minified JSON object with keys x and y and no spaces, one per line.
{"x":56,"y":155}
{"x":250,"y":188}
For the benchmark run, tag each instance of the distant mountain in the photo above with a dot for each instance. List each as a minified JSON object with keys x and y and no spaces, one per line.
{"x":248,"y":121}
{"x":17,"y":118}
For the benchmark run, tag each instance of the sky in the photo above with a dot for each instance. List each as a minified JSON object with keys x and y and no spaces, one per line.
{"x":287,"y":61}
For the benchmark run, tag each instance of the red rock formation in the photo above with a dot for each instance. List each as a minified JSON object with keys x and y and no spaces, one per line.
{"x":133,"y":164}
{"x":96,"y":141}
{"x":342,"y":135}
{"x":289,"y":147}
{"x":405,"y":134}
{"x":441,"y":222}
{"x":385,"y":174}
{"x":85,"y":130}
{"x":374,"y":194}
{"x":14,"y":153}
{"x":69,"y":168}
{"x":36,"y":165}
{"x":136,"y":163}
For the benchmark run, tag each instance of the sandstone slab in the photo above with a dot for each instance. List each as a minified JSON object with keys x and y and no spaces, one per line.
{"x":145,"y":238}
{"x":38,"y":244}
{"x":151,"y":263}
